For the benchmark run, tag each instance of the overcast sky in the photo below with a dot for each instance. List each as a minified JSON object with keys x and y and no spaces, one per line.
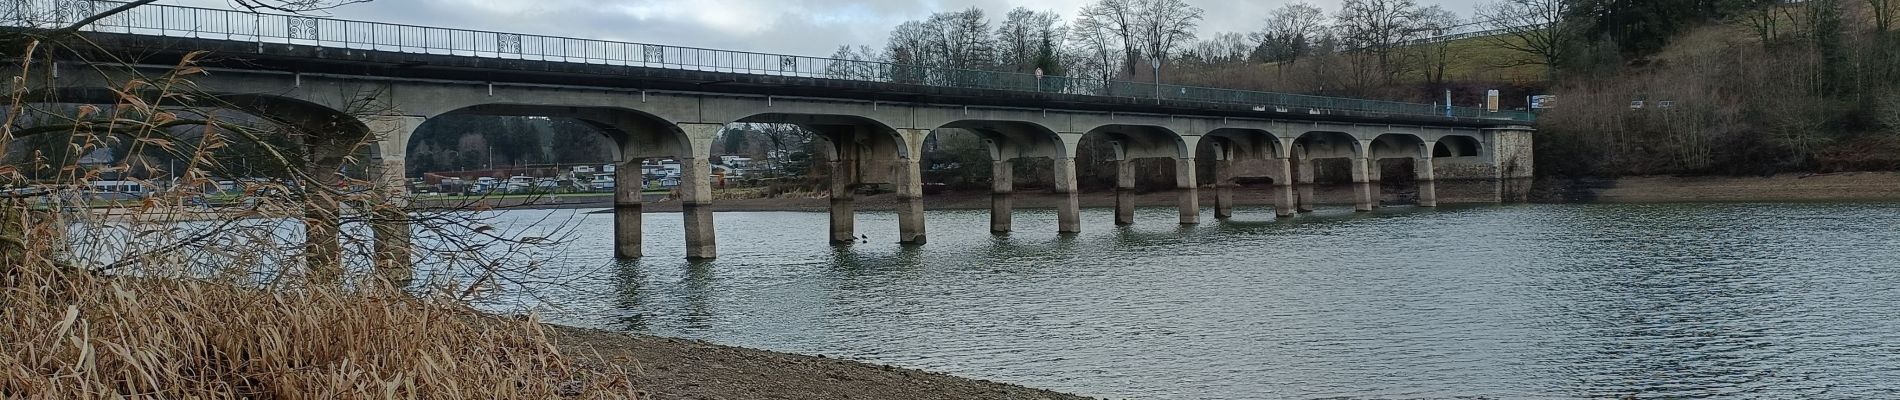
{"x":799,"y":27}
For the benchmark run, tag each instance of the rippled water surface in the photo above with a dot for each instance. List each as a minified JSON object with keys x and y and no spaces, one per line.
{"x":1649,"y":301}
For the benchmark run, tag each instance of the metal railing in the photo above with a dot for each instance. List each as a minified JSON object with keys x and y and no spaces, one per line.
{"x":263,"y":28}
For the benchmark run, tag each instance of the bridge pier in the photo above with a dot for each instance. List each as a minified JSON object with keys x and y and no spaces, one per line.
{"x":1124,"y":192}
{"x":1427,"y":181}
{"x":390,"y":222}
{"x":908,"y":177}
{"x":1187,"y":191}
{"x":389,"y":218}
{"x":1305,"y":183}
{"x":323,"y":233}
{"x":1361,"y":182}
{"x":1069,"y":207}
{"x":844,"y":172}
{"x":1002,"y":184}
{"x":910,"y":201}
{"x":1283,"y":196}
{"x":696,"y":208}
{"x":627,"y":209}
{"x":1375,"y":183}
{"x":1223,"y":187}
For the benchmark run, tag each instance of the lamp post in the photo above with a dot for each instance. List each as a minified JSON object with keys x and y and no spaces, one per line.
{"x":1156,"y":62}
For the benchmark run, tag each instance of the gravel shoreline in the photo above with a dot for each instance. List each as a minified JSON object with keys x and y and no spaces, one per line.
{"x":668,"y":368}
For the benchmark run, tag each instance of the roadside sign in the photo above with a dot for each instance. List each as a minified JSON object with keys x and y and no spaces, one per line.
{"x":1543,"y":102}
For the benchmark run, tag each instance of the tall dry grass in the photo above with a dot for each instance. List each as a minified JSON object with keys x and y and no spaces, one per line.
{"x":67,"y":334}
{"x":162,"y":299}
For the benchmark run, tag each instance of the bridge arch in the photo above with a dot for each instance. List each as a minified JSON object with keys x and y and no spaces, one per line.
{"x":1130,"y":142}
{"x":1225,"y":154}
{"x":1402,"y":161}
{"x":1347,"y":162}
{"x":870,"y":139}
{"x":1325,"y":144}
{"x":1453,"y":146}
{"x":862,"y":151}
{"x":636,"y":135}
{"x":307,"y":118}
{"x":327,"y":137}
{"x":1398,"y":145}
{"x":1010,"y":140}
{"x":1245,"y":144}
{"x":1122,"y":144}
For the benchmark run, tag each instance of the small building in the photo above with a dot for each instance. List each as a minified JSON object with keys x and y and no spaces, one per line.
{"x":602,"y":182}
{"x":736,"y":162}
{"x":118,"y":190}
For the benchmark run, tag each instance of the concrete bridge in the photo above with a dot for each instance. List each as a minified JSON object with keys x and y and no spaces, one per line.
{"x":355,"y":82}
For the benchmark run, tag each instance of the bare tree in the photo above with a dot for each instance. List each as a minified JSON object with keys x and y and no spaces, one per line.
{"x":1760,"y":17}
{"x":1379,"y":27}
{"x":1096,"y":46}
{"x":1025,"y":37}
{"x":1888,"y":112}
{"x":1290,"y":33}
{"x":1223,"y":48}
{"x":1165,"y":25}
{"x":908,"y":48}
{"x":962,"y":39}
{"x":89,"y":16}
{"x":1117,"y":22}
{"x":1540,"y":30}
{"x":1884,"y":11}
{"x":1434,"y":57}
{"x":934,"y":49}
{"x":853,"y":63}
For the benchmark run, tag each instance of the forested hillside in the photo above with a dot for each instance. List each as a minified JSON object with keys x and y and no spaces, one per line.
{"x":1753,"y":87}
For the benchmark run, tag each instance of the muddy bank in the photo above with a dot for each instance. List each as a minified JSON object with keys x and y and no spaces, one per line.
{"x":667,"y":368}
{"x":1847,"y":186}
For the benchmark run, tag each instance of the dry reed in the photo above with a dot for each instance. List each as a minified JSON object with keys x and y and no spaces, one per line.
{"x":66,"y":334}
{"x":212,"y":304}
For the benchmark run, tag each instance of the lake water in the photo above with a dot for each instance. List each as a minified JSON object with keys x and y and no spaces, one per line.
{"x":1523,"y":301}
